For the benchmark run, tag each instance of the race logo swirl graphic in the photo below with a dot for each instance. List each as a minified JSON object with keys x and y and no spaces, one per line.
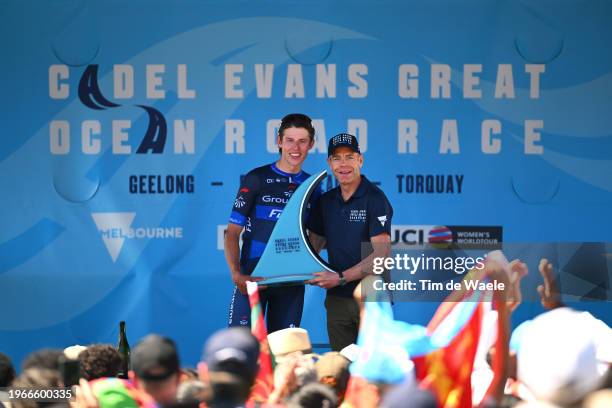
{"x":90,"y":95}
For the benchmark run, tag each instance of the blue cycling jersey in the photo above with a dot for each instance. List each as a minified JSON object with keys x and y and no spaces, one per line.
{"x":262,"y":196}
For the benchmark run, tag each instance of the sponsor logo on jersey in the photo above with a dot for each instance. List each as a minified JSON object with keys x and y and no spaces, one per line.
{"x":266,"y":212}
{"x":275,"y":213}
{"x":239,"y":202}
{"x":277,"y":180}
{"x":276,"y":200}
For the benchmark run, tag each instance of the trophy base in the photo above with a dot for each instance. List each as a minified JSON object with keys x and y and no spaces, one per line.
{"x":286,"y":280}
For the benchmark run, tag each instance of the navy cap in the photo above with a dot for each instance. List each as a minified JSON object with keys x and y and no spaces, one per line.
{"x":155,"y":358}
{"x":343,"y":140}
{"x":408,"y":395}
{"x":233,"y":350}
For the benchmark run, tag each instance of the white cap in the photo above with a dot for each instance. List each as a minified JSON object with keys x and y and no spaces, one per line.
{"x":602,"y":336}
{"x":289,"y":340}
{"x":557,"y":350}
{"x":72,"y":352}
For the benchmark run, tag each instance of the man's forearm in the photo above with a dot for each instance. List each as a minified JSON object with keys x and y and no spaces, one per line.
{"x":316,"y":241}
{"x":364,"y":267}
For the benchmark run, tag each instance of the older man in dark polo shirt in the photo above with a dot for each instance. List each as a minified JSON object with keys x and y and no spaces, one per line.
{"x":354,"y":220}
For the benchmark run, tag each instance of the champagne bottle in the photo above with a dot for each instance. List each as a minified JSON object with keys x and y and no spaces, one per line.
{"x":123,"y":347}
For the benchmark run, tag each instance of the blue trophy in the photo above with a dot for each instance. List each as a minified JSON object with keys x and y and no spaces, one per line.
{"x":288,"y":257}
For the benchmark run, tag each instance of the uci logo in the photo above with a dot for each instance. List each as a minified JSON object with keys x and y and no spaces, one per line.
{"x":420,"y":234}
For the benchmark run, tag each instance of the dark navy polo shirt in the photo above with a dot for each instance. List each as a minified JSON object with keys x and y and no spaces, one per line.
{"x":349,"y":225}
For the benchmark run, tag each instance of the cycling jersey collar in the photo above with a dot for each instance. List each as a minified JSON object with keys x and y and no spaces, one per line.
{"x":275,"y":169}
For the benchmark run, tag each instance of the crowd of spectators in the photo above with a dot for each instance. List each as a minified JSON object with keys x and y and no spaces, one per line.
{"x":561,"y":359}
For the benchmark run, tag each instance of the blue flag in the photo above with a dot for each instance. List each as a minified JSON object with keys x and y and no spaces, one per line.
{"x":387,"y":345}
{"x":384,"y":343}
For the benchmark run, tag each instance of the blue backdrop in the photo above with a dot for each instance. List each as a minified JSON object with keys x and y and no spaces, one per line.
{"x":126,"y":127}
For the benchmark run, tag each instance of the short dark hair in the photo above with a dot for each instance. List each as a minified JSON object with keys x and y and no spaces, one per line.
{"x":99,"y":361}
{"x":230,"y":389}
{"x":36,"y":377}
{"x":44,"y":358}
{"x":296,"y":120}
{"x":314,"y":395}
{"x":155,"y":358}
{"x":7,"y":371}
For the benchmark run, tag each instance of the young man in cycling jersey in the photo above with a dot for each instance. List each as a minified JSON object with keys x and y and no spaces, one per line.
{"x":262,"y":195}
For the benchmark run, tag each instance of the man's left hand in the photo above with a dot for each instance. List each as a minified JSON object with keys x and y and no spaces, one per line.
{"x":325,"y":279}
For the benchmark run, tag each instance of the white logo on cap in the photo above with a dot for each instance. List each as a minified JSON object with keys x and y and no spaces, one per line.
{"x":343,"y":138}
{"x":230,"y":353}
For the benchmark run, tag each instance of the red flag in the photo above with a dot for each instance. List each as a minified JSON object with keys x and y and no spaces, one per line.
{"x":360,"y":394}
{"x":264,"y":383}
{"x":447,"y":371}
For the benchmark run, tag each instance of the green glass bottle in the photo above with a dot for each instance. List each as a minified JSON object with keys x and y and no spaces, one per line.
{"x":123,"y":347}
